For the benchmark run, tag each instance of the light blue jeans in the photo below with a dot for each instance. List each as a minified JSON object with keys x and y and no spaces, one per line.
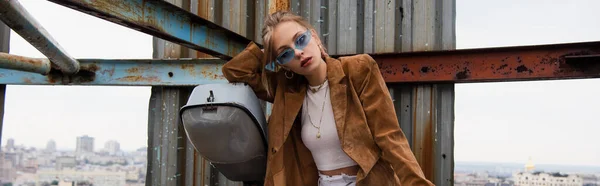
{"x":337,"y":180}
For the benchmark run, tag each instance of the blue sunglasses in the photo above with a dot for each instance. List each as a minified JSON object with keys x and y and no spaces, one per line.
{"x":288,"y":54}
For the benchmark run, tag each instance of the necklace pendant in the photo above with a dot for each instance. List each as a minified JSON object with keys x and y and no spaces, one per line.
{"x":319,"y":134}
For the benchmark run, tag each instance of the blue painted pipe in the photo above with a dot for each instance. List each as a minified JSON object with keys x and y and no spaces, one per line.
{"x":8,"y":61}
{"x":19,"y":20}
{"x":121,"y":72}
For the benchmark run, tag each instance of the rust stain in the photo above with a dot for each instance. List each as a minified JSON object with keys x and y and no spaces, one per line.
{"x":91,"y":68}
{"x":190,"y":68}
{"x":86,"y":74}
{"x":27,"y":80}
{"x":35,"y":63}
{"x":209,"y":72}
{"x":204,"y":9}
{"x":133,"y":70}
{"x":127,"y":12}
{"x":428,"y":140}
{"x":210,"y":37}
{"x":138,"y":70}
{"x":279,"y":5}
{"x":118,"y":8}
{"x":139,"y":79}
{"x":230,"y":48}
{"x":54,"y":76}
{"x":423,"y":129}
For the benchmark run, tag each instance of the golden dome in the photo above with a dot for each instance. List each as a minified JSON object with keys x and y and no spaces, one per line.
{"x":529,"y":166}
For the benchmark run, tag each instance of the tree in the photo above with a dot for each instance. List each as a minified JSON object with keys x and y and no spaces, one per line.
{"x":84,"y":183}
{"x":55,"y":182}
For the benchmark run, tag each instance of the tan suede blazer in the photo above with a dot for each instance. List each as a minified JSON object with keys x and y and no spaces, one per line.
{"x":364,"y":116}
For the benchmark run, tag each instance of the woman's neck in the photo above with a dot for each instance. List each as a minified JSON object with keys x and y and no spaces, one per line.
{"x":319,"y":76}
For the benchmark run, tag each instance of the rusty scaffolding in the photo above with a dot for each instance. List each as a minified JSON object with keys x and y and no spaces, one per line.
{"x":412,"y":41}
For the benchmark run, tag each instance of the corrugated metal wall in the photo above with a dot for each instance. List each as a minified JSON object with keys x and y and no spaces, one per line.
{"x":425,"y":111}
{"x":4,"y":47}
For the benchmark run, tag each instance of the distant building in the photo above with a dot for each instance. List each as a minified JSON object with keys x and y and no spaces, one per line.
{"x":10,"y":144}
{"x":531,"y":177}
{"x":106,"y":160}
{"x":51,"y":146}
{"x":63,"y":162}
{"x":84,"y":144}
{"x":112,"y":147}
{"x":30,"y":165}
{"x":471,"y":180}
{"x":591,"y":180}
{"x":479,"y":179}
{"x":542,"y":178}
{"x":45,"y":160}
{"x":8,"y":172}
{"x":13,"y":157}
{"x":96,"y":178}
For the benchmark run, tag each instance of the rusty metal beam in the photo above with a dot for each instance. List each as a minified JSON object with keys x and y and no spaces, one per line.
{"x":17,"y":18}
{"x":542,"y":62}
{"x":166,"y":21}
{"x":175,"y":72}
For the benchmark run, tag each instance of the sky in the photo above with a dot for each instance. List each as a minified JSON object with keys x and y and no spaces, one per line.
{"x":551,"y":121}
{"x":36,"y":114}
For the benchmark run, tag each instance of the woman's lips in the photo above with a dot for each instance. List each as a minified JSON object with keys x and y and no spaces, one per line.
{"x":306,"y":62}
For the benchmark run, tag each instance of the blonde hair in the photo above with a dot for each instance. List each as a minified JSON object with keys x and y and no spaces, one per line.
{"x":270,"y":23}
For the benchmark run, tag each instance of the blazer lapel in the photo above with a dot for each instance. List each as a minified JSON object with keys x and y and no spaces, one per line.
{"x":292,"y":104}
{"x":338,"y":93}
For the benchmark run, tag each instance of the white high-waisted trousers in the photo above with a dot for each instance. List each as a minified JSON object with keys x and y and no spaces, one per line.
{"x":337,"y":180}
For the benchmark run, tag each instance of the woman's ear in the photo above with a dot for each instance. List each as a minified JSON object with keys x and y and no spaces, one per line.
{"x":319,"y":44}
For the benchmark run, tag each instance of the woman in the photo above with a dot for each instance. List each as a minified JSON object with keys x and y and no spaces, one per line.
{"x":333,"y":120}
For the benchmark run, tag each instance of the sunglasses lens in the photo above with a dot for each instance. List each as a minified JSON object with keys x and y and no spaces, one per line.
{"x":286,"y":56}
{"x":270,"y":67}
{"x":303,"y":40}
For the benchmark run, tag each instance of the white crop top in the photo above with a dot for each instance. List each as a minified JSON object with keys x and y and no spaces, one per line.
{"x":325,"y":146}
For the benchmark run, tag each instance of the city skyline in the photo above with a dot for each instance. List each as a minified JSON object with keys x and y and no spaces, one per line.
{"x":97,"y":148}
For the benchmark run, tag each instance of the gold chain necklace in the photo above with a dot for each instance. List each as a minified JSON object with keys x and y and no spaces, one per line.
{"x":314,"y":90}
{"x":320,"y":120}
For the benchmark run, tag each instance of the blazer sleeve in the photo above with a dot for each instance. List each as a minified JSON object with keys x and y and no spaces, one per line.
{"x":246,"y":67}
{"x":383,"y":122}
